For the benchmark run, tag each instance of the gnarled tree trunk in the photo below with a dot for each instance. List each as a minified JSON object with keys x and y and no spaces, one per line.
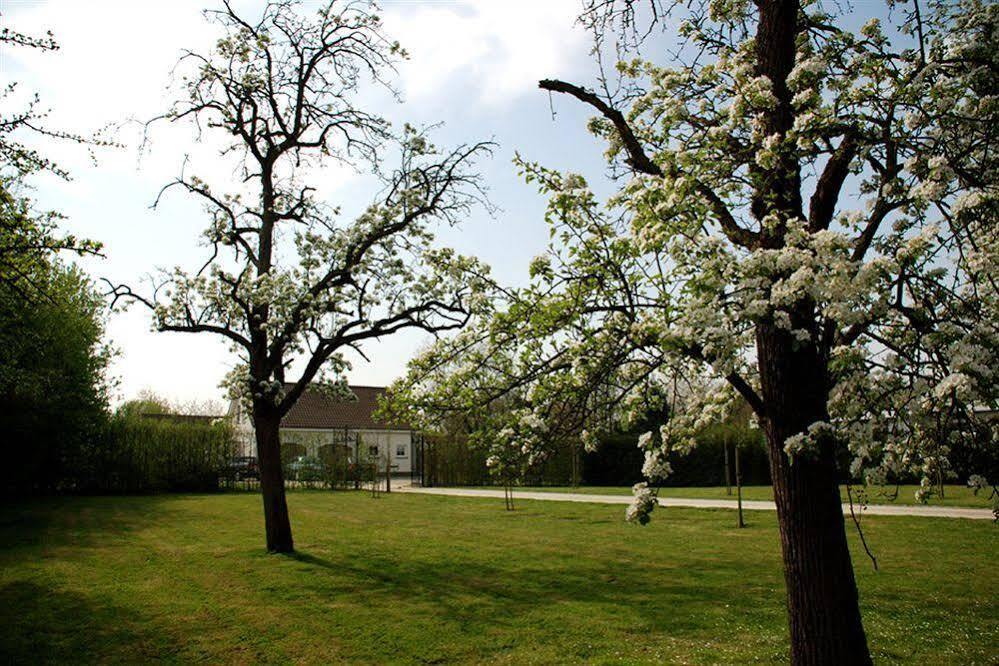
{"x":266,"y":424}
{"x":822,"y":600}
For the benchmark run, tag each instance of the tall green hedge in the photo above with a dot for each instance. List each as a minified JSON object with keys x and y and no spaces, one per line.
{"x":616,"y":462}
{"x":450,"y":461}
{"x":141,"y":454}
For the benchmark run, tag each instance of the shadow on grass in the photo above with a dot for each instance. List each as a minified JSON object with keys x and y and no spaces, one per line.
{"x":80,"y":521}
{"x":467,"y":589}
{"x":43,"y":625}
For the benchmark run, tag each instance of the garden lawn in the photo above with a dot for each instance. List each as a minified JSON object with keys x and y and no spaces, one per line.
{"x":953,"y":495}
{"x":425,"y":579}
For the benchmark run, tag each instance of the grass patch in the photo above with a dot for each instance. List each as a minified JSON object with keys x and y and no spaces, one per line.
{"x":425,"y":579}
{"x":953,"y":495}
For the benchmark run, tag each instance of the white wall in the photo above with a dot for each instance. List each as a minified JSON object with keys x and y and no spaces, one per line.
{"x":388,"y":442}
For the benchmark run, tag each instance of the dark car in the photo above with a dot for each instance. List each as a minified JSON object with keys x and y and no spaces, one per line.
{"x":243,"y":467}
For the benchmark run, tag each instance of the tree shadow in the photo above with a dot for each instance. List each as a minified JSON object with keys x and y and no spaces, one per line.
{"x":44,"y":625}
{"x":653,"y":590}
{"x":79,"y":521}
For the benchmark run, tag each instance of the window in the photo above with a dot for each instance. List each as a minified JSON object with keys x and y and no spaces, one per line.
{"x":400,"y":450}
{"x":373,"y":450}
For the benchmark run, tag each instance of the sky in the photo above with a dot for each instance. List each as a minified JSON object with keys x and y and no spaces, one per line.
{"x":473,"y":67}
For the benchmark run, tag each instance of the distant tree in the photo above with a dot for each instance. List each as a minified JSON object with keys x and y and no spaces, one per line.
{"x":147,"y":402}
{"x":288,"y":279}
{"x":807,"y":216}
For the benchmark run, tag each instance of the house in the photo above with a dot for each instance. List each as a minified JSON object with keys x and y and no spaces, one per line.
{"x":321,"y":427}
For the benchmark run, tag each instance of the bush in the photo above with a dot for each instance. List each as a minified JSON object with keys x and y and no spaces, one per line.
{"x":53,"y":398}
{"x":450,"y":461}
{"x":618,"y":460}
{"x":142,"y":454}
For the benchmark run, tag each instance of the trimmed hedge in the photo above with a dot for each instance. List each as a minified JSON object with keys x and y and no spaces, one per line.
{"x":139,"y":454}
{"x":616,"y":462}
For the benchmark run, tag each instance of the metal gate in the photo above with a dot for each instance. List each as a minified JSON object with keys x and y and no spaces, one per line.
{"x":416,"y":469}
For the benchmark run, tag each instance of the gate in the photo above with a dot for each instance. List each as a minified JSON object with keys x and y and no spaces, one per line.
{"x":416,"y":468}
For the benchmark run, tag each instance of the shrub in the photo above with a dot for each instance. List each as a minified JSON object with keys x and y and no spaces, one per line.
{"x":53,"y":395}
{"x":618,"y":460}
{"x":143,"y":454}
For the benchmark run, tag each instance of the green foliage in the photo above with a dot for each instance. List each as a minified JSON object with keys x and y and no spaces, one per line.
{"x":139,"y":453}
{"x":449,"y":461}
{"x":28,"y":241}
{"x":148,"y":403}
{"x":616,"y":461}
{"x":53,"y":394}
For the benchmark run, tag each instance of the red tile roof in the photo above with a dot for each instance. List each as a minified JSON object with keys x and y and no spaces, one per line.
{"x":315,"y":410}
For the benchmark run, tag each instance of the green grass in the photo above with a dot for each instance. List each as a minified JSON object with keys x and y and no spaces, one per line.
{"x":953,"y":495}
{"x":424,"y":579}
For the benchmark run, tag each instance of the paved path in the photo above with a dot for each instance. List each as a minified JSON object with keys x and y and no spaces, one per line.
{"x":755,"y":505}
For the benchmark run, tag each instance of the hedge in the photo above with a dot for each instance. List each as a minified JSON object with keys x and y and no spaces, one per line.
{"x":138,"y":454}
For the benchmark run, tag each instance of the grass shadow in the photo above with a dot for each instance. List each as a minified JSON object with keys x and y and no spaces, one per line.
{"x":41,"y":625}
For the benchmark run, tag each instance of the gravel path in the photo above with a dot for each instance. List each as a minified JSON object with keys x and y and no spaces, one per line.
{"x":872,"y":509}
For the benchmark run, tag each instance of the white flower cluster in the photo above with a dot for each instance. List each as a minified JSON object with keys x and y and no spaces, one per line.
{"x":809,"y":441}
{"x":642,"y":504}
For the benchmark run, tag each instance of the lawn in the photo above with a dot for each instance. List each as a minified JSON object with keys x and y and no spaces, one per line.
{"x":424,"y":579}
{"x":953,"y":495}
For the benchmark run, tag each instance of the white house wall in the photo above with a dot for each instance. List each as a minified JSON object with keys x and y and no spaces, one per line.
{"x":389,"y":442}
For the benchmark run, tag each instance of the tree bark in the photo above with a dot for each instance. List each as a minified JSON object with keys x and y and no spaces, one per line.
{"x":277,"y":526}
{"x":728,"y":477}
{"x":822,"y":599}
{"x":738,"y":485}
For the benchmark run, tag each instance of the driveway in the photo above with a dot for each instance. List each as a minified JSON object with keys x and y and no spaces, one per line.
{"x":871,"y":509}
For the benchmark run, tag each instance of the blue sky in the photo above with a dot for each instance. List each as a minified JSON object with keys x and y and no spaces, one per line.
{"x":474,"y":67}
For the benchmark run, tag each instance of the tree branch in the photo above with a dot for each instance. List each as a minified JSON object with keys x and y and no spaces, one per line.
{"x":823,"y":202}
{"x":640,"y":161}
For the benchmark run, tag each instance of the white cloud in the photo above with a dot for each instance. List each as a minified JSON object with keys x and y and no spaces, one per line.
{"x":493,"y":50}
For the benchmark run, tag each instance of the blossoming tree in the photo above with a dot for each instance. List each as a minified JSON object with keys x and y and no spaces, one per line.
{"x":288,"y":281}
{"x":805,"y":221}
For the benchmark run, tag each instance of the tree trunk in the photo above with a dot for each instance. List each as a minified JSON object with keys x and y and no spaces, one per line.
{"x":822,"y":600}
{"x":728,"y":477}
{"x":738,"y":485}
{"x":277,"y":526}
